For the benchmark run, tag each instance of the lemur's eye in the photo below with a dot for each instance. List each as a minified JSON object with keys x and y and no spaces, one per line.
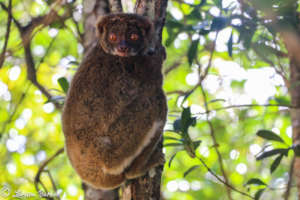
{"x":134,"y":37}
{"x":112,"y":37}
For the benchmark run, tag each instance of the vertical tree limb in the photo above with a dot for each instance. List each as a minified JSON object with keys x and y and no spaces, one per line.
{"x":156,"y":11}
{"x":160,"y":17}
{"x":115,"y":6}
{"x":292,"y":43}
{"x":92,"y":10}
{"x":145,"y":8}
{"x":145,"y":187}
{"x":2,"y":56}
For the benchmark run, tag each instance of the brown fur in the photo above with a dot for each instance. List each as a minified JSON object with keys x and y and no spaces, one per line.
{"x":115,"y":110}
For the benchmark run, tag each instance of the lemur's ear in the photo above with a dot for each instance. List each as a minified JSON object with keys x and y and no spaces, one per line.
{"x":147,"y":25}
{"x":100,"y":25}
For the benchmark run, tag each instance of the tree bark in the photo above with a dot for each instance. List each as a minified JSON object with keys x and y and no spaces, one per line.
{"x":145,"y":187}
{"x":292,"y":43}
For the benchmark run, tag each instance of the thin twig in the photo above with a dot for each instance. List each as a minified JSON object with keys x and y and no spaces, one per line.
{"x":52,"y":182}
{"x":244,"y":105}
{"x":12,"y":17}
{"x":215,"y":143}
{"x":80,"y":35}
{"x":2,"y":56}
{"x":175,"y":65}
{"x":272,"y":64}
{"x":221,"y":180}
{"x":203,"y":76}
{"x":37,"y":180}
{"x":12,"y":114}
{"x":212,"y":131}
{"x":46,"y":53}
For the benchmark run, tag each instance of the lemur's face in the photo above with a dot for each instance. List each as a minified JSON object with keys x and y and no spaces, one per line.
{"x":124,"y":34}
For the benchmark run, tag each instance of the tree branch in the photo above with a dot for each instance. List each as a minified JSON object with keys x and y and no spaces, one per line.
{"x":215,"y":144}
{"x":156,"y":11}
{"x":221,"y":180}
{"x":26,"y":35}
{"x":2,"y":56}
{"x":212,"y":131}
{"x":245,"y":105}
{"x":37,"y":179}
{"x":145,"y":8}
{"x":175,"y":65}
{"x":93,"y":9}
{"x":160,"y":17}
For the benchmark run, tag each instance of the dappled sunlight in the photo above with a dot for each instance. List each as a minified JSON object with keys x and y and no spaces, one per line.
{"x":241,"y":168}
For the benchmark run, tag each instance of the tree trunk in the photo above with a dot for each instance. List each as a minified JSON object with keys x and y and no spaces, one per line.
{"x":146,"y":187}
{"x":292,"y":43}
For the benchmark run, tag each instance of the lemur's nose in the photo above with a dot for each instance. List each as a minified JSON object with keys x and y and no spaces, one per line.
{"x":123,"y":48}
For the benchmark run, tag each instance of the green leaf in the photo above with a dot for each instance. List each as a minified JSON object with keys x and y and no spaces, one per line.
{"x":171,"y":38}
{"x":246,"y":34}
{"x":218,"y":3}
{"x":237,"y":84}
{"x":171,"y":159}
{"x":269,"y":135}
{"x":276,"y":163}
{"x":177,"y":125}
{"x":185,"y":116}
{"x":171,"y":138}
{"x":258,"y":194}
{"x":74,"y":63}
{"x":219,"y":23}
{"x":195,"y":15}
{"x":57,"y":24}
{"x":192,"y":52}
{"x":263,"y":50}
{"x":172,"y":144}
{"x":190,"y":170}
{"x":64,"y":84}
{"x":187,"y":120}
{"x":283,"y":100}
{"x":255,"y":181}
{"x":229,"y":45}
{"x":272,"y":153}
